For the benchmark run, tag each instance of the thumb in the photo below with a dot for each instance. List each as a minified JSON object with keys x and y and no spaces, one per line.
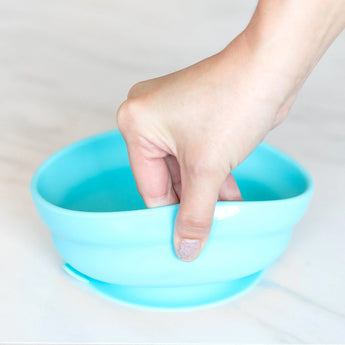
{"x":194,"y":219}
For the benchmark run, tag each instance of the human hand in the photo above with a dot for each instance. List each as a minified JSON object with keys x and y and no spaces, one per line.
{"x":186,"y":131}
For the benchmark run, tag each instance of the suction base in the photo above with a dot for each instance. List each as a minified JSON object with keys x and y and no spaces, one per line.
{"x":170,"y":297}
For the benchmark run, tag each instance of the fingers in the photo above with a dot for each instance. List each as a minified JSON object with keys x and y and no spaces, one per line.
{"x":152,"y":178}
{"x":147,"y":161}
{"x":194,"y":219}
{"x":161,"y":181}
{"x":174,"y":169}
{"x":229,"y":190}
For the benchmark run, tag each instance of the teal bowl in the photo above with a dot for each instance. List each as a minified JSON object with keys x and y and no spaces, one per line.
{"x":87,"y":197}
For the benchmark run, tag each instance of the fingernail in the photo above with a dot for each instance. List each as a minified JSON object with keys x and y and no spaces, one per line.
{"x":188,"y":249}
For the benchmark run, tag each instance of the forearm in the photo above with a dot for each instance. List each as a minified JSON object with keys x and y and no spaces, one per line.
{"x":288,"y":37}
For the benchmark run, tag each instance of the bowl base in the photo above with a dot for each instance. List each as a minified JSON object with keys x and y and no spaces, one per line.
{"x":170,"y":297}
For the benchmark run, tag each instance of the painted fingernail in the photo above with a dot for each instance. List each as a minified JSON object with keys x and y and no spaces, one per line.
{"x":188,"y":249}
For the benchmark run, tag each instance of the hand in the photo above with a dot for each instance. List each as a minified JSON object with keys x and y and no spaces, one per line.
{"x":186,"y":131}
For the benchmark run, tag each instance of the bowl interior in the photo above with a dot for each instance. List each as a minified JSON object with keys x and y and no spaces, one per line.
{"x":93,"y":175}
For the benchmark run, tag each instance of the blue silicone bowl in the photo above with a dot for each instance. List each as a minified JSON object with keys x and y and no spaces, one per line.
{"x":86,"y":195}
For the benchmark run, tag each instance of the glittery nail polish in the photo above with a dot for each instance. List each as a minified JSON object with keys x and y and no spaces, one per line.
{"x":188,"y":249}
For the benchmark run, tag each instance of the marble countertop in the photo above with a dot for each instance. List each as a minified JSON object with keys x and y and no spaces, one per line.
{"x":64,"y":69}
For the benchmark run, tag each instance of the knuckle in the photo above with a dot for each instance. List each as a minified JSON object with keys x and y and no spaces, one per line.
{"x":194,"y":226}
{"x":204,"y":161}
{"x":202,"y":167}
{"x":127,"y":115}
{"x":135,"y":89}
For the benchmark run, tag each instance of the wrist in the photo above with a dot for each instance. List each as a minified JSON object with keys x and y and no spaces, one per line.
{"x":258,"y":70}
{"x":288,"y":37}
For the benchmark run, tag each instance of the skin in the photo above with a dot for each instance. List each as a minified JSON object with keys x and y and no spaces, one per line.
{"x":186,"y":131}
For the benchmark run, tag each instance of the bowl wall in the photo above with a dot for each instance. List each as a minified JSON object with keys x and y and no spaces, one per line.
{"x":86,"y":195}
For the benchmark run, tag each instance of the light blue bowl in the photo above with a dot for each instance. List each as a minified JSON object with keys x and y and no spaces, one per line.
{"x":87,"y":197}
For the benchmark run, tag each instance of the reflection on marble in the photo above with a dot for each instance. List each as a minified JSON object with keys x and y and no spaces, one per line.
{"x":65,"y":67}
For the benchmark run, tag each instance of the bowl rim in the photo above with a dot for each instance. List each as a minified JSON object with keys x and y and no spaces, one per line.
{"x":38,"y":198}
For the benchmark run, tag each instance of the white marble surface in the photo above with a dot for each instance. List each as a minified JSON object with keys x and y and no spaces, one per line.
{"x":64,"y":68}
